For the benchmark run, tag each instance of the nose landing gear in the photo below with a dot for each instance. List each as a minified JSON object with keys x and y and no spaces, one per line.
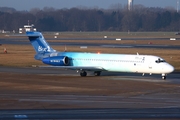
{"x":164,"y":76}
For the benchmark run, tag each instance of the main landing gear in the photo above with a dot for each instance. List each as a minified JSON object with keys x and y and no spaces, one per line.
{"x":97,"y":73}
{"x":84,"y":73}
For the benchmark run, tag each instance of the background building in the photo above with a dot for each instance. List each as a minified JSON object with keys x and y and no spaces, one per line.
{"x":27,"y":28}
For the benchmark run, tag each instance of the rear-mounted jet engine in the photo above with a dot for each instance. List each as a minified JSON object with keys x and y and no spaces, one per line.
{"x":56,"y":61}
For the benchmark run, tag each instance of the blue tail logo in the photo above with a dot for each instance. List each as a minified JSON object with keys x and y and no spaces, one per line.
{"x":41,"y":49}
{"x":39,"y":43}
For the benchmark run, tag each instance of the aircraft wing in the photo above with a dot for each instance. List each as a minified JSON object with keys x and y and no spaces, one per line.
{"x":85,"y":68}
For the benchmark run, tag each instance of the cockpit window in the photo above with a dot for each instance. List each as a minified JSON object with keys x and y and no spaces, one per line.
{"x":160,"y":60}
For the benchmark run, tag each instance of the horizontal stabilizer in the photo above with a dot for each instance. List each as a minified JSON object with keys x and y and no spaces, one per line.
{"x":29,"y":35}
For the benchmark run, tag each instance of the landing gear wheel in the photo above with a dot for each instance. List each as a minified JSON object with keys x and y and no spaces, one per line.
{"x":83,"y":74}
{"x":97,"y":73}
{"x":164,"y":77}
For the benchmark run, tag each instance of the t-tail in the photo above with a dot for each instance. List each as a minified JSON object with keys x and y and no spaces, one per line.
{"x":40,"y":45}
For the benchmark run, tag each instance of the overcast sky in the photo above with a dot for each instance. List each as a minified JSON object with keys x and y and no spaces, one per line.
{"x":58,"y":4}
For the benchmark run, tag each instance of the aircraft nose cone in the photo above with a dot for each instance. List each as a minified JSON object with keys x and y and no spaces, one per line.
{"x":169,"y":68}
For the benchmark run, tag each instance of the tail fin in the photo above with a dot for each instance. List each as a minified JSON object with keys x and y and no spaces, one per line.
{"x":39,"y":43}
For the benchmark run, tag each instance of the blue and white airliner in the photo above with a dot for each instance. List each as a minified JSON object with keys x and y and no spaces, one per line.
{"x":83,"y":62}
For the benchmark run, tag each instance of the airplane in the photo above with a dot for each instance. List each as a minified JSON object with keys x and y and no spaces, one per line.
{"x":97,"y":62}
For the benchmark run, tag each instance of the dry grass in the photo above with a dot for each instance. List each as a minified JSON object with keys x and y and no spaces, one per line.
{"x":112,"y":34}
{"x":18,"y":56}
{"x":23,"y":55}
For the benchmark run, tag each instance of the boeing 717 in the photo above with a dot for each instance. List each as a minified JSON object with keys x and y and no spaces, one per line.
{"x":97,"y":63}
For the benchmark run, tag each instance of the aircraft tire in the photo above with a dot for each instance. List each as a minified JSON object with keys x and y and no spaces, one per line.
{"x":97,"y":73}
{"x":164,"y":77}
{"x":83,"y":74}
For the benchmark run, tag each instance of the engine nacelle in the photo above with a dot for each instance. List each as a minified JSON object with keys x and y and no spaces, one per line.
{"x":56,"y":61}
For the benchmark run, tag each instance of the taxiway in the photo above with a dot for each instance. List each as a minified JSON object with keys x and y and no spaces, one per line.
{"x":40,"y":93}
